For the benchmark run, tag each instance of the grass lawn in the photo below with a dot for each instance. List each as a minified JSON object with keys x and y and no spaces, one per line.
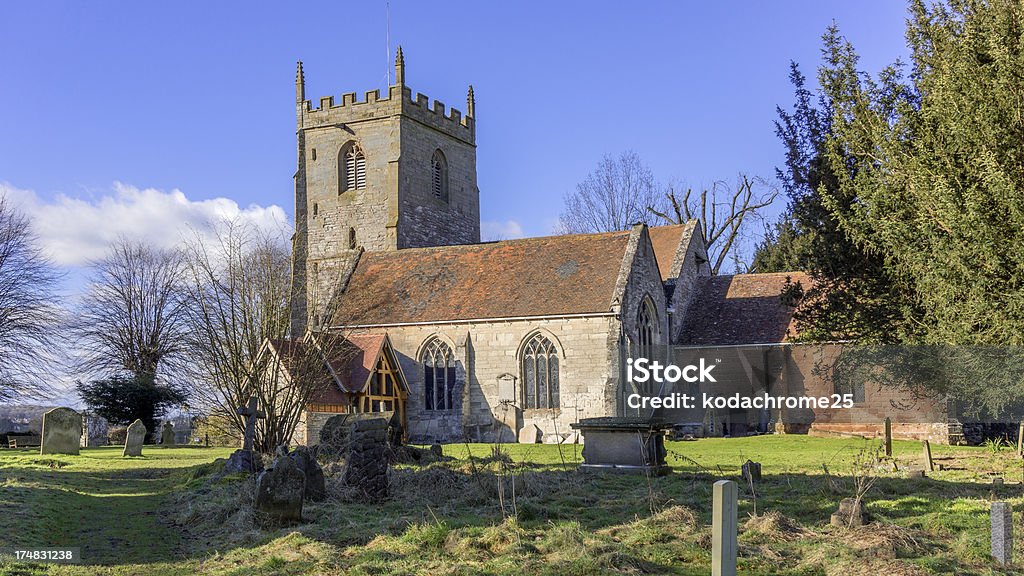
{"x":526,"y":510}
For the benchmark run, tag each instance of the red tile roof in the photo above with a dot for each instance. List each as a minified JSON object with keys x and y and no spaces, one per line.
{"x":356,"y":359}
{"x":740,"y":309}
{"x":665,"y":240}
{"x":555,"y":275}
{"x":351,"y":360}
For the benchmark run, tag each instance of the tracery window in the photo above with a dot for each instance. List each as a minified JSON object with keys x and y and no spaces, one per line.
{"x":645,"y":324}
{"x":438,"y":375}
{"x":540,"y":373}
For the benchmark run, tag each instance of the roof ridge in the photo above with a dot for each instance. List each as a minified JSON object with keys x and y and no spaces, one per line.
{"x":788,"y":273}
{"x":624,"y":233}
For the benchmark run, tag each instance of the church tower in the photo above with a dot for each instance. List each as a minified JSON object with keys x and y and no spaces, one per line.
{"x":378,"y":174}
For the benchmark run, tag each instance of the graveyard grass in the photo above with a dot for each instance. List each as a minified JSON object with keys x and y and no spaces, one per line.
{"x":167,"y":513}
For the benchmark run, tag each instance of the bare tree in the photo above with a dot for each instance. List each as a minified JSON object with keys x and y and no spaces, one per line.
{"x":28,"y":314}
{"x":240,"y":287}
{"x":724,"y":214}
{"x":133,"y":315}
{"x":615,"y":196}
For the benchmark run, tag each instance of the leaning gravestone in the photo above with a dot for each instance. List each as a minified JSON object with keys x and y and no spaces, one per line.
{"x":305,"y":459}
{"x":134,"y":439}
{"x":167,"y":435}
{"x":62,"y":432}
{"x":926,"y":447}
{"x":279,"y":492}
{"x":366,"y":467}
{"x":751,"y":472}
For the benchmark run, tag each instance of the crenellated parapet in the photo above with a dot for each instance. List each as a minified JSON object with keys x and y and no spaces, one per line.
{"x":399,"y":101}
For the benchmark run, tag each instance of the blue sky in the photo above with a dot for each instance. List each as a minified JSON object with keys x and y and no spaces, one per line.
{"x":108,"y":108}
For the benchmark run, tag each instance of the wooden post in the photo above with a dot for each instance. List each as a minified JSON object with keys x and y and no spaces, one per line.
{"x":723,"y":529}
{"x":1020,"y":439}
{"x":928,"y":467}
{"x":888,"y":437}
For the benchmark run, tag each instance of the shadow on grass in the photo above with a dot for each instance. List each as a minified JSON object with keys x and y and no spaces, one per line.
{"x":449,"y":510}
{"x":109,"y":507}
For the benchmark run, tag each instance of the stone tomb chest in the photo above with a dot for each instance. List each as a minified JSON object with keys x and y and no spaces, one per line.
{"x":624,"y":444}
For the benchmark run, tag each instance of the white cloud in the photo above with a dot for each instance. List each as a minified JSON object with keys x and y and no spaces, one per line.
{"x":507,"y":230}
{"x":74,"y":231}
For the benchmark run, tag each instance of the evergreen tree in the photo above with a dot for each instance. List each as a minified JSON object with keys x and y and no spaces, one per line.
{"x":932,"y":168}
{"x":123,"y":399}
{"x":852,"y":295}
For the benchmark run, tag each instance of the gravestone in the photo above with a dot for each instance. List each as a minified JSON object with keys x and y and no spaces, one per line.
{"x":280,"y":490}
{"x":134,"y":439}
{"x":530,"y":434}
{"x":62,"y":432}
{"x":305,"y":459}
{"x":167,"y":435}
{"x":751,"y":472}
{"x":552,"y":439}
{"x":927,"y":448}
{"x":723,"y":528}
{"x":366,"y":466}
{"x":245,"y":460}
{"x":997,"y":482}
{"x":251,"y":415}
{"x":850,"y":514}
{"x":334,"y":435}
{"x":888,"y":437}
{"x":1002,"y":533}
{"x":915,"y":474}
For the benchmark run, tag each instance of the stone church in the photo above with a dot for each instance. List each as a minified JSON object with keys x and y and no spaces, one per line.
{"x":482,"y":341}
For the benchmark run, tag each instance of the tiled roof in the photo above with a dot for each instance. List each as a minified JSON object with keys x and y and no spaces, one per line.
{"x":555,"y":275}
{"x":355,"y":359}
{"x":665,"y":240}
{"x":351,"y":360}
{"x":740,"y":309}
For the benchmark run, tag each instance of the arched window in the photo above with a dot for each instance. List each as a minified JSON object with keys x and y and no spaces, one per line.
{"x":540,"y":373}
{"x":351,"y":167}
{"x":439,"y":175}
{"x":645,"y":327}
{"x":438,"y":375}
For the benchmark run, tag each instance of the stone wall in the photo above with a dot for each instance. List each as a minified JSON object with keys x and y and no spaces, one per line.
{"x":425,"y":220}
{"x":690,"y":264}
{"x":487,"y":372}
{"x":396,"y":209}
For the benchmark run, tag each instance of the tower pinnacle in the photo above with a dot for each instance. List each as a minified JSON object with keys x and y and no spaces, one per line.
{"x":300,"y":84}
{"x":399,"y":67}
{"x":470,"y":103}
